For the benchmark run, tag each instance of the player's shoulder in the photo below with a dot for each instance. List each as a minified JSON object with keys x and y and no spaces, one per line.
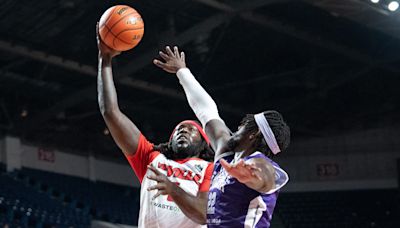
{"x":259,"y":155}
{"x":280,"y":173}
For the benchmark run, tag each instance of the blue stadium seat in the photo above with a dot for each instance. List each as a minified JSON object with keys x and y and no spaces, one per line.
{"x":60,"y":200}
{"x":363,"y":208}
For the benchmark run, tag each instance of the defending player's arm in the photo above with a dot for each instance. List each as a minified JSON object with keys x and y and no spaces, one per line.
{"x":199,"y":100}
{"x":255,"y":173}
{"x":123,"y":131}
{"x":194,"y":207}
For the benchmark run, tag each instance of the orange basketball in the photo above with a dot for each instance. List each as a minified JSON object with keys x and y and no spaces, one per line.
{"x":121,"y":27}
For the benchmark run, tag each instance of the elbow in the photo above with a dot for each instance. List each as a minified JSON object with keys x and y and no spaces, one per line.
{"x":267,"y":186}
{"x":107,"y":108}
{"x":197,"y":216}
{"x":109,"y":113}
{"x":201,"y":219}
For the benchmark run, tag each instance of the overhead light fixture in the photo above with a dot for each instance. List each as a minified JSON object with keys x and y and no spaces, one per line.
{"x":387,"y":5}
{"x":393,"y":6}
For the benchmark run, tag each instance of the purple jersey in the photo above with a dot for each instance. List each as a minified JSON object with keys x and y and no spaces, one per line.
{"x":233,"y":204}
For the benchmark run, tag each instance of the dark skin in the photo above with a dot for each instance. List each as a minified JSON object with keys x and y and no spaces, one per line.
{"x":256,"y":173}
{"x":126,"y":135}
{"x":185,"y":201}
{"x":186,"y":135}
{"x":122,"y":129}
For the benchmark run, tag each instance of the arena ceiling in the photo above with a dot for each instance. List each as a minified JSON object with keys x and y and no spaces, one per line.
{"x":329,"y":66}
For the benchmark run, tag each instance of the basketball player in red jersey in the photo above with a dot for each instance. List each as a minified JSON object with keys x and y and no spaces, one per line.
{"x":174,"y":176}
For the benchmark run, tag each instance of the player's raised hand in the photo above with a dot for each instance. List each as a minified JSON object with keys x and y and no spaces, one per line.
{"x":164,"y":186}
{"x":172,"y":60}
{"x":242,"y":171}
{"x":104,"y":50}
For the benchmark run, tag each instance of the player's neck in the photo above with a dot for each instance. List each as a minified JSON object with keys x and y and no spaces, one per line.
{"x":248,"y":152}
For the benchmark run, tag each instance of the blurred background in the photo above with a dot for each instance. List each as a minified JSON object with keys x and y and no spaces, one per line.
{"x":331,"y":67}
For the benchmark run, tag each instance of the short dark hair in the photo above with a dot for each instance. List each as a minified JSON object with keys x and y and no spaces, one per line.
{"x":278,"y":126}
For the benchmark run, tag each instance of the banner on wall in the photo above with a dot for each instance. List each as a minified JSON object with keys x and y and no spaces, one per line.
{"x":46,"y":155}
{"x":327,"y":170}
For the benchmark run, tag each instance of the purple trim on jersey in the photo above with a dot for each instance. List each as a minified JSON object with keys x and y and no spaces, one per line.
{"x":229,"y":200}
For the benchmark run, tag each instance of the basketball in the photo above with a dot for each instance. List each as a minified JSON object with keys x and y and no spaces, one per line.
{"x":121,"y":27}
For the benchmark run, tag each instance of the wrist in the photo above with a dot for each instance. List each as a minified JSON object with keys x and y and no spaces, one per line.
{"x":173,"y":190}
{"x":255,"y":183}
{"x":106,"y":59}
{"x":181,"y":72}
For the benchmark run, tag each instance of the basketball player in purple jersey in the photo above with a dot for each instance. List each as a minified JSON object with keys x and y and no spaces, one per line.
{"x":245,"y":181}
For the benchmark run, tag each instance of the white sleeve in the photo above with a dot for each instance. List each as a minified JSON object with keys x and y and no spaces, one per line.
{"x":199,"y":100}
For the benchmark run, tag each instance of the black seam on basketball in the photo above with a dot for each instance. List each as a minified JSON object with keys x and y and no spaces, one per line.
{"x":121,"y":19}
{"x":115,"y":36}
{"x":104,"y":40}
{"x":125,"y":31}
{"x":123,"y":41}
{"x":112,"y":12}
{"x":105,"y":23}
{"x":114,"y":42}
{"x":109,"y":30}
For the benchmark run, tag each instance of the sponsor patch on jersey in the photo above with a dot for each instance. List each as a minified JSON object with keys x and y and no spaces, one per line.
{"x":198,"y":167}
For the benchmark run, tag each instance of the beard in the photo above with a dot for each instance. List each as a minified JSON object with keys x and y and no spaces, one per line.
{"x":183,"y":150}
{"x":232,"y":143}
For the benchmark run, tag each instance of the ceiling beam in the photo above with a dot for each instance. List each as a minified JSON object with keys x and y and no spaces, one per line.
{"x":121,"y":75}
{"x":362,"y":12}
{"x":183,"y":38}
{"x":313,"y":39}
{"x":44,"y":57}
{"x":346,"y":78}
{"x":42,"y":84}
{"x":260,"y":79}
{"x":239,"y":7}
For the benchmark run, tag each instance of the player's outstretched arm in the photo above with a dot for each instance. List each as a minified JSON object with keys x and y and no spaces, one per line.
{"x":123,"y":131}
{"x":199,"y":100}
{"x":255,"y":173}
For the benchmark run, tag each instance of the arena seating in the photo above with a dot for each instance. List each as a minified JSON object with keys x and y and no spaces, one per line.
{"x":103,"y":201}
{"x":23,"y":206}
{"x":32,"y":198}
{"x":353,"y":209}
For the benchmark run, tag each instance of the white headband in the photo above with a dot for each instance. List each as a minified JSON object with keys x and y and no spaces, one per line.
{"x":265,"y":129}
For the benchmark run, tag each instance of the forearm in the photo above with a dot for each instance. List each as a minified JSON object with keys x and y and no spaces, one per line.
{"x":266,"y":176}
{"x":123,"y":131}
{"x":259,"y":185}
{"x":107,"y":95}
{"x":194,"y":207}
{"x":199,"y":100}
